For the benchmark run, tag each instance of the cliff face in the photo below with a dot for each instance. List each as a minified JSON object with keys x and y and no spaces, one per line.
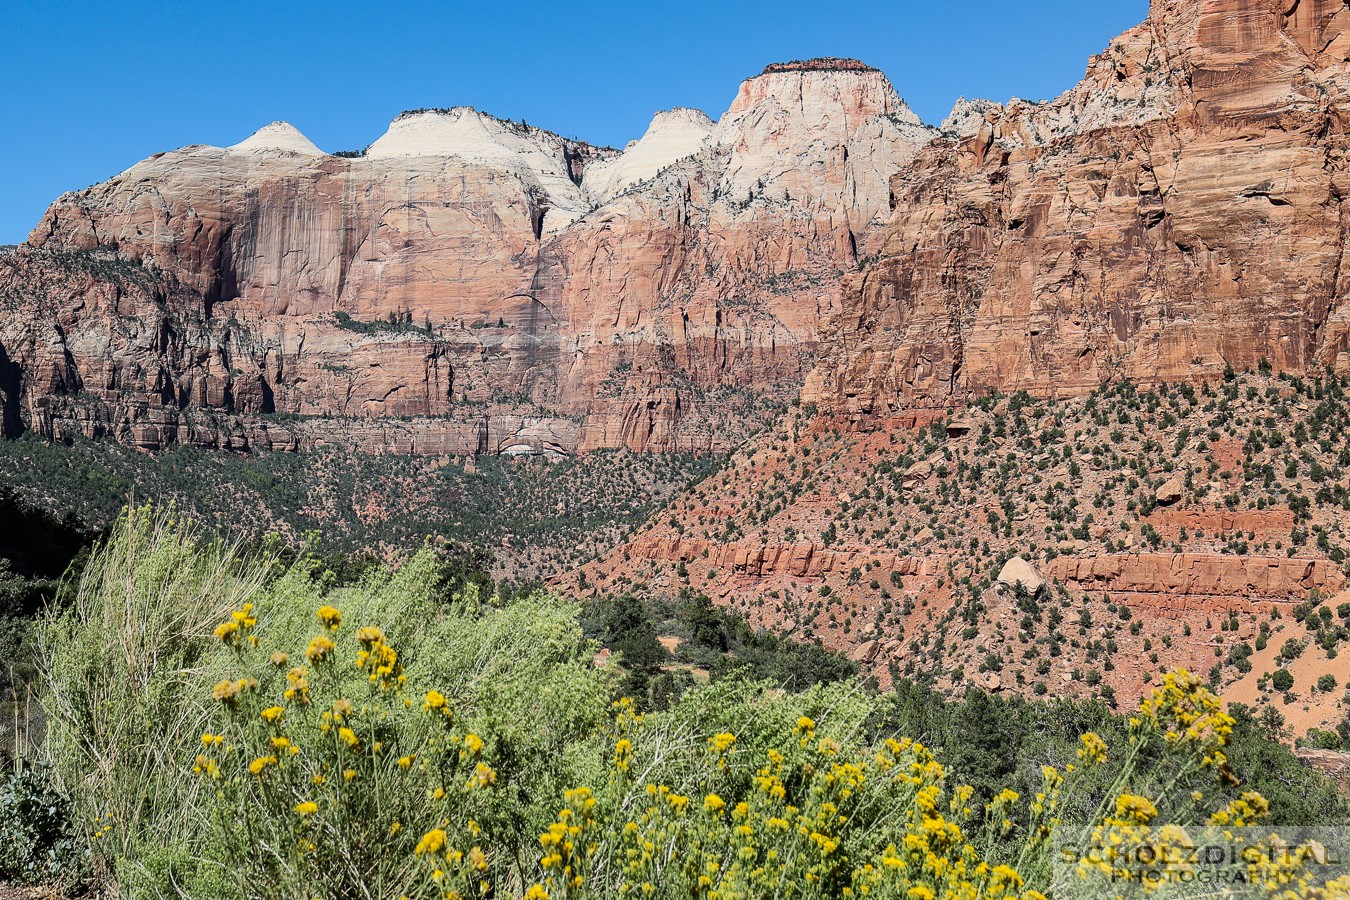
{"x":474,"y":271}
{"x":1180,"y":211}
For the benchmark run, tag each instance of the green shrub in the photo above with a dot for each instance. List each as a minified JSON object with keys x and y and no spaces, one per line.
{"x":39,"y":843}
{"x":134,"y":662}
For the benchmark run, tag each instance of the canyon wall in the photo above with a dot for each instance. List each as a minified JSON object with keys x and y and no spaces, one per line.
{"x":517,"y":290}
{"x":1178,"y":212}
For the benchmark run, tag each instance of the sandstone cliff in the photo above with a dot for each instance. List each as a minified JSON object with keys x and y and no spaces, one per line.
{"x":520,"y":289}
{"x":1178,"y":212}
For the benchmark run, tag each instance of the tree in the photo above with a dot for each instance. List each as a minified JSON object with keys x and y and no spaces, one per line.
{"x":705,"y":623}
{"x":629,"y":631}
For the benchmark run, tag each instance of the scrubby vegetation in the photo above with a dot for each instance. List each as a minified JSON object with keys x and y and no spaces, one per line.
{"x":534,"y":516}
{"x":230,"y":722}
{"x":1252,"y":467}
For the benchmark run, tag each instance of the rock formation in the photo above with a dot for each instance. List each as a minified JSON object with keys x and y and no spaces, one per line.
{"x":1178,"y":212}
{"x":1018,"y":574}
{"x":478,"y":273}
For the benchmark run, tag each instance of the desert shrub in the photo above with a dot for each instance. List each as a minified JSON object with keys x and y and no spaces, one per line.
{"x":1281,"y":680}
{"x":135,"y":663}
{"x":225,"y":726}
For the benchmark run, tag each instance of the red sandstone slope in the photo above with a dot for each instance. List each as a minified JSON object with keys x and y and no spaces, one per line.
{"x":1172,"y":529}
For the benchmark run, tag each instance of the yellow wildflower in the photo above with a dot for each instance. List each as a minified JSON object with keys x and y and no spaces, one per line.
{"x":319,"y":650}
{"x":623,"y":754}
{"x":431,"y":842}
{"x":308,"y":808}
{"x":329,"y":617}
{"x":278,"y":659}
{"x":228,"y":692}
{"x":297,"y":685}
{"x":1093,"y":750}
{"x":1246,"y":810}
{"x":261,"y":764}
{"x":272,"y":714}
{"x":1133,"y":809}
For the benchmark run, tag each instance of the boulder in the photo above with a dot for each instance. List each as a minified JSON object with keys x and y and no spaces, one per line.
{"x":1017,"y":572}
{"x":918,"y":472}
{"x":867,"y":652}
{"x":1170,"y":493}
{"x":1334,"y":764}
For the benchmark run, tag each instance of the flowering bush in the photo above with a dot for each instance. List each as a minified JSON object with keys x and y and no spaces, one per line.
{"x":226,"y":728}
{"x":212,"y":716}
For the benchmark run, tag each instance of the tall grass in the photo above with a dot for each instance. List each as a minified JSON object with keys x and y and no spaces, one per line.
{"x":124,"y":662}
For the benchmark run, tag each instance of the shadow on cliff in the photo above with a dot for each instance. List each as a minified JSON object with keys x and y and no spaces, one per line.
{"x":11,"y":423}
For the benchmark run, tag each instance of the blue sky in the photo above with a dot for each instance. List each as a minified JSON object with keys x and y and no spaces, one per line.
{"x":90,"y":88}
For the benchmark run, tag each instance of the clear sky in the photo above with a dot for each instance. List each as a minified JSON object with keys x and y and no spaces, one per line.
{"x":90,"y":88}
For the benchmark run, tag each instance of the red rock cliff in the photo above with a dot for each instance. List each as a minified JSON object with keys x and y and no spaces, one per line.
{"x":1180,"y":211}
{"x":523,"y":290}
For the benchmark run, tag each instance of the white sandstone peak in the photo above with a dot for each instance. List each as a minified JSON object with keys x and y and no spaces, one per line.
{"x":672,"y":135}
{"x":460,"y":131}
{"x":281,"y":136}
{"x":830,"y":131}
{"x":676,"y":115}
{"x":538,"y":158}
{"x":805,"y":97}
